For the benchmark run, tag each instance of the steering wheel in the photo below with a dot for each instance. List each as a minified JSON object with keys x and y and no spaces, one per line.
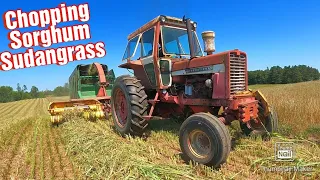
{"x":163,"y":55}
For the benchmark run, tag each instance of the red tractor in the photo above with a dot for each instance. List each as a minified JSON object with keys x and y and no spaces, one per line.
{"x":173,"y":78}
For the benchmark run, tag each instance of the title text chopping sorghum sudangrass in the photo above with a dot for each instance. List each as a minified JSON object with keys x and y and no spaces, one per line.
{"x":49,"y":34}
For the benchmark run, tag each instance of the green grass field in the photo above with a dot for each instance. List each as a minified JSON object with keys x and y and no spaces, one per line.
{"x":78,"y":149}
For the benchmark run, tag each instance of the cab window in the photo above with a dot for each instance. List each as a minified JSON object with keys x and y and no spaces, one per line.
{"x":132,"y":45}
{"x":140,"y":46}
{"x":147,"y":43}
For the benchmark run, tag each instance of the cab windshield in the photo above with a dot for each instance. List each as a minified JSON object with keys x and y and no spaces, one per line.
{"x":175,"y":42}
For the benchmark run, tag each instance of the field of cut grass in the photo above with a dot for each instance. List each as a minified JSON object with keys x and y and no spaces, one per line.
{"x":29,"y":147}
{"x":101,"y":153}
{"x":78,"y":149}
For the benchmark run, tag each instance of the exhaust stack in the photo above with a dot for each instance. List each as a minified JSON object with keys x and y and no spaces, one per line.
{"x":209,"y":44}
{"x":190,"y":36}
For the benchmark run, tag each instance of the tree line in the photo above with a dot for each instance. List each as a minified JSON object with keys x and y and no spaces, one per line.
{"x":274,"y":75}
{"x":8,"y":94}
{"x":285,"y":75}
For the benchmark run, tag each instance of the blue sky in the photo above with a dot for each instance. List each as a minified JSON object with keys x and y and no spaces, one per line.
{"x":272,"y":33}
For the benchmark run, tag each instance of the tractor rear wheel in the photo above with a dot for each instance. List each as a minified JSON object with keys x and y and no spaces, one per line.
{"x":129,"y":105}
{"x":265,"y":127}
{"x":205,"y":139}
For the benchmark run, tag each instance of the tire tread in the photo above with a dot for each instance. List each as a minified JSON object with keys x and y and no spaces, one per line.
{"x":138,"y":103}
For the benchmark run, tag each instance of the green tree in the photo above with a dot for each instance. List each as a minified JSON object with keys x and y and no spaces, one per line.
{"x":60,"y":91}
{"x":316,"y":74}
{"x":34,"y":92}
{"x":41,"y":94}
{"x":275,"y":75}
{"x":261,"y":77}
{"x":26,"y":95}
{"x":252,"y":77}
{"x":18,"y":95}
{"x":287,"y":75}
{"x":6,"y":94}
{"x":19,"y":87}
{"x":24,"y":88}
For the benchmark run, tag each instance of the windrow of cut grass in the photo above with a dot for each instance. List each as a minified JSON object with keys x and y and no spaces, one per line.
{"x":15,"y":112}
{"x":29,"y":147}
{"x":103,"y":154}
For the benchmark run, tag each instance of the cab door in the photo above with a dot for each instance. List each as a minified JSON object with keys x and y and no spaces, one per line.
{"x":147,"y":41}
{"x":147,"y":58}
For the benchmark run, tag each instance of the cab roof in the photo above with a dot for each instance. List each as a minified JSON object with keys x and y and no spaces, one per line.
{"x":177,"y":22}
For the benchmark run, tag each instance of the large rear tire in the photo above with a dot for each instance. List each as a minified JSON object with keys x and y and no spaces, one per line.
{"x":205,"y":139}
{"x":129,"y":105}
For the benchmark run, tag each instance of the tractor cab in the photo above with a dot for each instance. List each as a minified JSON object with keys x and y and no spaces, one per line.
{"x":154,"y":47}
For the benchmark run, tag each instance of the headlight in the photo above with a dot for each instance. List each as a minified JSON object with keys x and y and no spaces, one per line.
{"x":208,"y":83}
{"x":194,"y":25}
{"x":162,"y":19}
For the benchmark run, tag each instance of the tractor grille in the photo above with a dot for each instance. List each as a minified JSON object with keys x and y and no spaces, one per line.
{"x":237,"y":73}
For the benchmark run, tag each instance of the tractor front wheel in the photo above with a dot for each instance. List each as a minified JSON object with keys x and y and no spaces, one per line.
{"x":205,"y":139}
{"x":129,"y":105}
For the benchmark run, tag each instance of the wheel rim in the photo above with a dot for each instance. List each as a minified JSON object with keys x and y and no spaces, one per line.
{"x":199,"y":143}
{"x":121,"y":108}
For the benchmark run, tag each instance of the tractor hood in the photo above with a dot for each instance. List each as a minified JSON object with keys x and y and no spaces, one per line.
{"x":228,"y":69}
{"x":203,"y":62}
